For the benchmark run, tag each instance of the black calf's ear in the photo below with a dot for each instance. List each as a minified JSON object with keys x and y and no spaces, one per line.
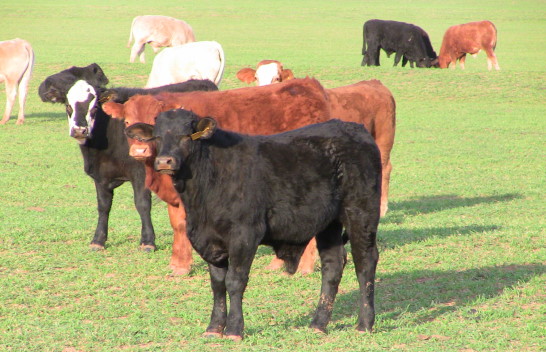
{"x":142,"y":132}
{"x":205,"y":128}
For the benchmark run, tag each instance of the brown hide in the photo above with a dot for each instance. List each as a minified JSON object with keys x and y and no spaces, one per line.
{"x":272,"y":109}
{"x":468,"y":38}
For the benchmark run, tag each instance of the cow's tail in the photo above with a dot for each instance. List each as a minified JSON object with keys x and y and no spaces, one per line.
{"x":220,"y":74}
{"x":494,"y":43}
{"x":23,"y":84}
{"x":131,"y":32}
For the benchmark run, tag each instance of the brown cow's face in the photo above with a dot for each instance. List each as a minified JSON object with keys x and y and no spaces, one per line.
{"x":443,"y":61}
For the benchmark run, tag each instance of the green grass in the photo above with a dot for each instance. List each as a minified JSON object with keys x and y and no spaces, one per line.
{"x":462,"y":249}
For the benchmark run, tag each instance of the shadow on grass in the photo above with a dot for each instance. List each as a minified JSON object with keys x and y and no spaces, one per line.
{"x":389,"y":239}
{"x":47,"y":116}
{"x":398,"y":211}
{"x":424,"y":295}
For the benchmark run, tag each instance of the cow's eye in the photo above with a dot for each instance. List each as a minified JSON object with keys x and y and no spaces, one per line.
{"x":69,"y":110}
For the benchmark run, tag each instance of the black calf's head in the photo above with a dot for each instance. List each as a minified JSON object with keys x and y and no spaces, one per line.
{"x":175,"y":133}
{"x":81,"y":108}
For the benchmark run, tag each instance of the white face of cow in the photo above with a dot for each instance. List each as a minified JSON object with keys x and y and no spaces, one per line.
{"x":81,"y":109}
{"x":267,"y":74}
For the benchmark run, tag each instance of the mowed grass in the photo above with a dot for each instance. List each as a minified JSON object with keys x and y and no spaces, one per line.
{"x":462,"y":249}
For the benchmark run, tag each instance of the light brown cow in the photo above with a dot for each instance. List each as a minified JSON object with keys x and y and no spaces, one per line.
{"x":158,"y":31}
{"x":468,"y":38}
{"x":267,"y":110}
{"x":267,"y":72}
{"x":16,"y":63}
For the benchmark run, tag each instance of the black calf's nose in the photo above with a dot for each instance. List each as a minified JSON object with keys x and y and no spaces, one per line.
{"x":166,"y":163}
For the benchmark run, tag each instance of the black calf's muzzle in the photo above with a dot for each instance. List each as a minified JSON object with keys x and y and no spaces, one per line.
{"x":166,"y":165}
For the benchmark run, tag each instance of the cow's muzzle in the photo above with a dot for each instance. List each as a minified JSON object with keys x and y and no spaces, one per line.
{"x":166,"y":165}
{"x":79,"y":133}
{"x":140,"y":152}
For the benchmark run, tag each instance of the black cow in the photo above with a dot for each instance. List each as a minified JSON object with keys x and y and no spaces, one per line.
{"x":405,"y":39}
{"x":104,"y":145}
{"x":54,"y":88}
{"x":281,"y":190}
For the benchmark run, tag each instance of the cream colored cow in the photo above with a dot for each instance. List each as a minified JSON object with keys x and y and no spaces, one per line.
{"x":158,"y":31}
{"x":16,"y":63}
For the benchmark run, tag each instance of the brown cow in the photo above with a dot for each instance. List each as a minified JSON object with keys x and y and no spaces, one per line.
{"x":16,"y":63}
{"x":267,"y":72}
{"x":468,"y":38}
{"x":267,"y":110}
{"x":158,"y":31}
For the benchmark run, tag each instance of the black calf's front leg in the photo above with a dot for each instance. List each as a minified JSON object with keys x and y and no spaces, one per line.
{"x":333,"y":259}
{"x":143,"y":204}
{"x":104,"y":204}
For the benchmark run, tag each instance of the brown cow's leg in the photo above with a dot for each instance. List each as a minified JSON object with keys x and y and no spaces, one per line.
{"x":385,"y":180}
{"x":492,"y":60}
{"x":462,"y":60}
{"x":181,"y":259}
{"x":308,"y":258}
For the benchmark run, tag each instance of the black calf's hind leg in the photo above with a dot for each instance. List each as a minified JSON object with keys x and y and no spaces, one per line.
{"x":362,"y":230}
{"x":333,"y":259}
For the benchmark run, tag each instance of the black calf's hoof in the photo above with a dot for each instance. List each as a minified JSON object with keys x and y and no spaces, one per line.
{"x":147,"y":248}
{"x":96,"y":247}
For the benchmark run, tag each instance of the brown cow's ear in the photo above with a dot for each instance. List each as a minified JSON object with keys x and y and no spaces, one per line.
{"x":142,"y":132}
{"x":287,"y":74}
{"x":247,"y":75}
{"x":205,"y":128}
{"x":113,"y":109}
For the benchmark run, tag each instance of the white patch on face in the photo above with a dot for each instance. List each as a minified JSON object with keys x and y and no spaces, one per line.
{"x":267,"y":74}
{"x":81,"y":93}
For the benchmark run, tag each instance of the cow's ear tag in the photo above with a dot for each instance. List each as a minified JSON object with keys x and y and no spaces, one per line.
{"x":205,"y":127}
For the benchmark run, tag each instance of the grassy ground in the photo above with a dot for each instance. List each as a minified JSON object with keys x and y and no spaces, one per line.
{"x":462,"y":250}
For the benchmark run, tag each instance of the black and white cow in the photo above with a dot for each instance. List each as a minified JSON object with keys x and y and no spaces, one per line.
{"x":408,"y":41}
{"x":281,"y":190}
{"x":104,"y":145}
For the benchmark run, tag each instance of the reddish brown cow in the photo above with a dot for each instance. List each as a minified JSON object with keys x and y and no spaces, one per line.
{"x":266,"y":110}
{"x":468,"y":38}
{"x":267,"y":72}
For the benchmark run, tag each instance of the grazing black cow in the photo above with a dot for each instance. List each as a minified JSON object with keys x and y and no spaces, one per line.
{"x":405,"y":39}
{"x":104,"y":145}
{"x":281,"y":190}
{"x":54,"y":88}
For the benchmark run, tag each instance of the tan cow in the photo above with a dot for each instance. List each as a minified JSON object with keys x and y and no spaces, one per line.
{"x":468,"y":38}
{"x":158,"y":31}
{"x":267,"y":72}
{"x":16,"y":63}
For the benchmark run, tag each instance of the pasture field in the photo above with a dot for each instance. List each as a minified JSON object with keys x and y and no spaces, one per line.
{"x":462,"y":249}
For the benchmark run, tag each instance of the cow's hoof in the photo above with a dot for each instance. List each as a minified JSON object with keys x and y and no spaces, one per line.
{"x":180,"y":271}
{"x":20,"y":122}
{"x":318,"y":331}
{"x":235,"y":338}
{"x":306,"y":271}
{"x":212,"y":335}
{"x":147,"y":248}
{"x":96,"y":247}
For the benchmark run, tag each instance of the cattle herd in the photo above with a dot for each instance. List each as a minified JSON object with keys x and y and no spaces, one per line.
{"x":262,"y":165}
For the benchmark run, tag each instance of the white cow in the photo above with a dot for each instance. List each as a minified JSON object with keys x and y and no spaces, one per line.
{"x":267,"y":72}
{"x":158,"y":31}
{"x":198,"y":60}
{"x":16,"y":63}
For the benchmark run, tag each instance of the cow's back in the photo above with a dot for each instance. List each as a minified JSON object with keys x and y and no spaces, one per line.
{"x":167,"y":31}
{"x":259,"y":110}
{"x":366,"y":102}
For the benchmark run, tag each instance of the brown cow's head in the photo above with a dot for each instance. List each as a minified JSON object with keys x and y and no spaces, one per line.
{"x":267,"y":72}
{"x":138,"y":109}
